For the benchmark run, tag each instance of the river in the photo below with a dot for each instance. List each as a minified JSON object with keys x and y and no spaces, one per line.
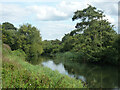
{"x":94,"y":76}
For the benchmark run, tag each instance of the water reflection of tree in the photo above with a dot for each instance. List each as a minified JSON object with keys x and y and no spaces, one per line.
{"x":118,"y":76}
{"x":56,"y":61}
{"x":96,"y":76}
{"x":39,"y":60}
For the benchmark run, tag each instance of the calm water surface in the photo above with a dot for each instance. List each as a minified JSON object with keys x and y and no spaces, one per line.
{"x":94,"y":76}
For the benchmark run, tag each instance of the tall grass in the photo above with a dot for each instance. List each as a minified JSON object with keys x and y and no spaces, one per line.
{"x":17,"y":73}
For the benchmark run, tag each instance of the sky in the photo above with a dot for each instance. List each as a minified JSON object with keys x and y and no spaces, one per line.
{"x":53,"y":17}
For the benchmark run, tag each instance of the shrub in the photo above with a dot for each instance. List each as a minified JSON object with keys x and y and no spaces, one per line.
{"x":19,"y":53}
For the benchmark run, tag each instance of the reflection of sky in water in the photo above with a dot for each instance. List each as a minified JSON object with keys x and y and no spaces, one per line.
{"x":60,"y":68}
{"x":82,"y":78}
{"x":53,"y":66}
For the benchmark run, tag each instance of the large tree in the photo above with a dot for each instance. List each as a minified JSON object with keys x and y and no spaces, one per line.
{"x":92,"y":36}
{"x":30,"y":41}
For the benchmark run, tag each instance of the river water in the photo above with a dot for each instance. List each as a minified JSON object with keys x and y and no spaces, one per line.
{"x":94,"y":76}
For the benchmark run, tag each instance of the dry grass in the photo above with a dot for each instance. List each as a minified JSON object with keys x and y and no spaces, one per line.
{"x":6,"y":46}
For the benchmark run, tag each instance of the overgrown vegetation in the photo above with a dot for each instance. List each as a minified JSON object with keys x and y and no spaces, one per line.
{"x":17,"y":73}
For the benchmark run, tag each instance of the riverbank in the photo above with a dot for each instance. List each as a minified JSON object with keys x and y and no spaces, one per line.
{"x":17,"y":73}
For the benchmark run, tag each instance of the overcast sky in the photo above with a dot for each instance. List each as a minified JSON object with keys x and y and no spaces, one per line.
{"x":53,"y":17}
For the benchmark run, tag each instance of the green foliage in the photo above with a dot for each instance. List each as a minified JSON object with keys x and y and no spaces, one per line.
{"x":87,"y":16}
{"x":8,"y":26}
{"x":17,"y":73}
{"x":10,"y":37}
{"x":51,"y":47}
{"x":19,"y":53}
{"x":66,"y":56}
{"x":93,"y":38}
{"x":27,"y":38}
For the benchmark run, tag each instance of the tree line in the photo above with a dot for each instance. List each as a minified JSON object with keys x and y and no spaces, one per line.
{"x":93,"y":40}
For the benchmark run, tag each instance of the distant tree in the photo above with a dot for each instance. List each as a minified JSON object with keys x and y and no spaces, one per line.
{"x":51,"y":47}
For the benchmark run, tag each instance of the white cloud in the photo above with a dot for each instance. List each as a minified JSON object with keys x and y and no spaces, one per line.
{"x":63,"y":10}
{"x":54,"y":30}
{"x":110,"y":18}
{"x":12,"y":13}
{"x":47,"y":13}
{"x":71,"y":6}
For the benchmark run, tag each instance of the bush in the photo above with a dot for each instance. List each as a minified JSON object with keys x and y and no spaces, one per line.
{"x":19,"y":53}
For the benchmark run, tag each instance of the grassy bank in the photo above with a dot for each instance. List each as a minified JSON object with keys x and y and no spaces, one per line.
{"x":17,"y":73}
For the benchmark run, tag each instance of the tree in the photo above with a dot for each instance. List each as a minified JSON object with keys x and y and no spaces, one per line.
{"x":98,"y":33}
{"x":9,"y":37}
{"x":8,"y":26}
{"x":51,"y":47}
{"x":92,"y":36}
{"x":86,"y":16}
{"x":30,"y":41}
{"x":9,"y":34}
{"x":27,"y":38}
